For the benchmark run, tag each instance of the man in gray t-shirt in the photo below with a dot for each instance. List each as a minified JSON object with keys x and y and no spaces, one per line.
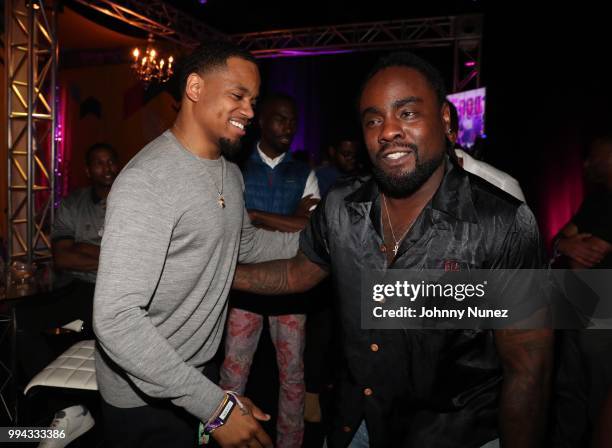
{"x":79,"y":220}
{"x":175,"y":227}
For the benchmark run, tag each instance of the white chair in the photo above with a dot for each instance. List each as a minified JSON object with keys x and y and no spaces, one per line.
{"x":73,"y":369}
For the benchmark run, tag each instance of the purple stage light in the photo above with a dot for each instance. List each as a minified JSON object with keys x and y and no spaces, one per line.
{"x":299,"y":53}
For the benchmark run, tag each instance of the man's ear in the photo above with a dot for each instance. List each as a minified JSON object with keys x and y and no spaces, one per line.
{"x":446,"y":121}
{"x":194,"y":87}
{"x":87,"y":173}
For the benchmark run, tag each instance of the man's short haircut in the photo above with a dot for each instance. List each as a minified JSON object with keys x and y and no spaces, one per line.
{"x":210,"y":56}
{"x":410,"y":60}
{"x":274,"y":97}
{"x":97,"y":146}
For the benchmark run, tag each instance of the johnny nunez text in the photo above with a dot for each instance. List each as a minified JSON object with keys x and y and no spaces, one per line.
{"x":409,"y":312}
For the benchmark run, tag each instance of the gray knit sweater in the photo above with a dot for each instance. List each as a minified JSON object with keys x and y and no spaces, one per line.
{"x":166,"y":266}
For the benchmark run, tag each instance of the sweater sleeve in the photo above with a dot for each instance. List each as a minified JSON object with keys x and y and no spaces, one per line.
{"x":138,"y":230}
{"x":258,"y":245}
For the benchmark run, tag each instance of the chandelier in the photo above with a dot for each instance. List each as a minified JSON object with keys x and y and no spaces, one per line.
{"x":149,"y":67}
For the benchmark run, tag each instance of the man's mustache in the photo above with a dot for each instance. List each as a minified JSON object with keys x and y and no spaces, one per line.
{"x":399,"y":145}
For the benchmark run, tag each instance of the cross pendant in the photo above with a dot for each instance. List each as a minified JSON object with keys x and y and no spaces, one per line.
{"x":396,"y":248}
{"x":221,"y":201}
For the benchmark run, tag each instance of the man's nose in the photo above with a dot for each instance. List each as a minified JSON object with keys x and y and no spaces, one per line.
{"x":390,"y":130}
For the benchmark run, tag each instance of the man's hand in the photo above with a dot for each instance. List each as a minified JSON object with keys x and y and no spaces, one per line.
{"x":306,"y":204}
{"x":584,"y":248}
{"x":242,"y":429}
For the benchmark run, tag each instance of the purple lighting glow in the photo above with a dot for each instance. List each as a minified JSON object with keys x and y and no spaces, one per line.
{"x":298,"y":53}
{"x":470,"y":64}
{"x":61,"y":184}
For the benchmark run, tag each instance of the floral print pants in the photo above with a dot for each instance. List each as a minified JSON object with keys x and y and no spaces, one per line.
{"x":288,"y":336}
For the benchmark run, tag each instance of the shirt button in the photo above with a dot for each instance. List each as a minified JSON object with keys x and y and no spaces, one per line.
{"x":346,"y":428}
{"x":374,"y":347}
{"x":383,"y":248}
{"x":367,"y":391}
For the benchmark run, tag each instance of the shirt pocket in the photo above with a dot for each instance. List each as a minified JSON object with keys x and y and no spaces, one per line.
{"x":451,"y":256}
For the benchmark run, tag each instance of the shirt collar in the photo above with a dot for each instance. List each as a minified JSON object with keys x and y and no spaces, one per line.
{"x":468,"y":160}
{"x":453,"y":198}
{"x":269,"y":161}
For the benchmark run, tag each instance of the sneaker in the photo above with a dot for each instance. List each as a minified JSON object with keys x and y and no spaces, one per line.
{"x":75,"y":421}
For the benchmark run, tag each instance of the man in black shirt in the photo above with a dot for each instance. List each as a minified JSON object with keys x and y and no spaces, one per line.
{"x":467,"y":388}
{"x":586,"y":240}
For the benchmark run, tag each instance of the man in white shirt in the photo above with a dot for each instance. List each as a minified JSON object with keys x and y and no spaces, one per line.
{"x":481,"y":169}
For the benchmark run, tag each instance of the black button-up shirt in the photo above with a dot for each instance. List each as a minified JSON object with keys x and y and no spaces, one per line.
{"x":419,"y":388}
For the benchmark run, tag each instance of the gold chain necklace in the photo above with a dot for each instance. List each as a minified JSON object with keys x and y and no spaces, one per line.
{"x":220,"y":198}
{"x":396,"y":242}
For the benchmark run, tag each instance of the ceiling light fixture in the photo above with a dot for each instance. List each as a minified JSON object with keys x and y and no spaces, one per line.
{"x":149,"y":67}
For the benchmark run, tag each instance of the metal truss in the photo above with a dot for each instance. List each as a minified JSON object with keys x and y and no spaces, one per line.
{"x":429,"y":32}
{"x":157,"y":17}
{"x":467,"y":55}
{"x":462,"y":33}
{"x":31,"y":66}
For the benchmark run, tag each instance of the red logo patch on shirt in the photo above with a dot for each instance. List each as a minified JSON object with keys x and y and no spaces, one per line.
{"x":451,"y":266}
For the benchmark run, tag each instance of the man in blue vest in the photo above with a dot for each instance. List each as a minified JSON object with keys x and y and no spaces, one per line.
{"x":279,"y":192}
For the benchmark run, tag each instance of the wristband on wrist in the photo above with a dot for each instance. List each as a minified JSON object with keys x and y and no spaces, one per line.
{"x":235,"y":395}
{"x":222,"y":414}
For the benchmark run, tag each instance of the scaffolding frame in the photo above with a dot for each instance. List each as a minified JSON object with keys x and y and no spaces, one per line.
{"x":157,"y":17}
{"x":31,"y":70}
{"x":462,"y":33}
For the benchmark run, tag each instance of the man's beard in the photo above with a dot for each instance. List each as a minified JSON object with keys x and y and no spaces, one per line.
{"x":403,"y":185}
{"x":230,"y":149}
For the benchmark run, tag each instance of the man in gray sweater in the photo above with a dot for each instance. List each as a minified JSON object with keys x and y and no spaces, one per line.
{"x":175,"y":227}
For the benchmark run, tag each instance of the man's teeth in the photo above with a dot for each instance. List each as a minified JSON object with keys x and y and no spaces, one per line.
{"x":237,"y":124}
{"x":395,"y":155}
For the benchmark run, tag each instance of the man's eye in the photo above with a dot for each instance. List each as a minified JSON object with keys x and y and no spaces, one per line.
{"x":407,"y":114}
{"x":372,"y":122}
{"x":237,"y":96}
